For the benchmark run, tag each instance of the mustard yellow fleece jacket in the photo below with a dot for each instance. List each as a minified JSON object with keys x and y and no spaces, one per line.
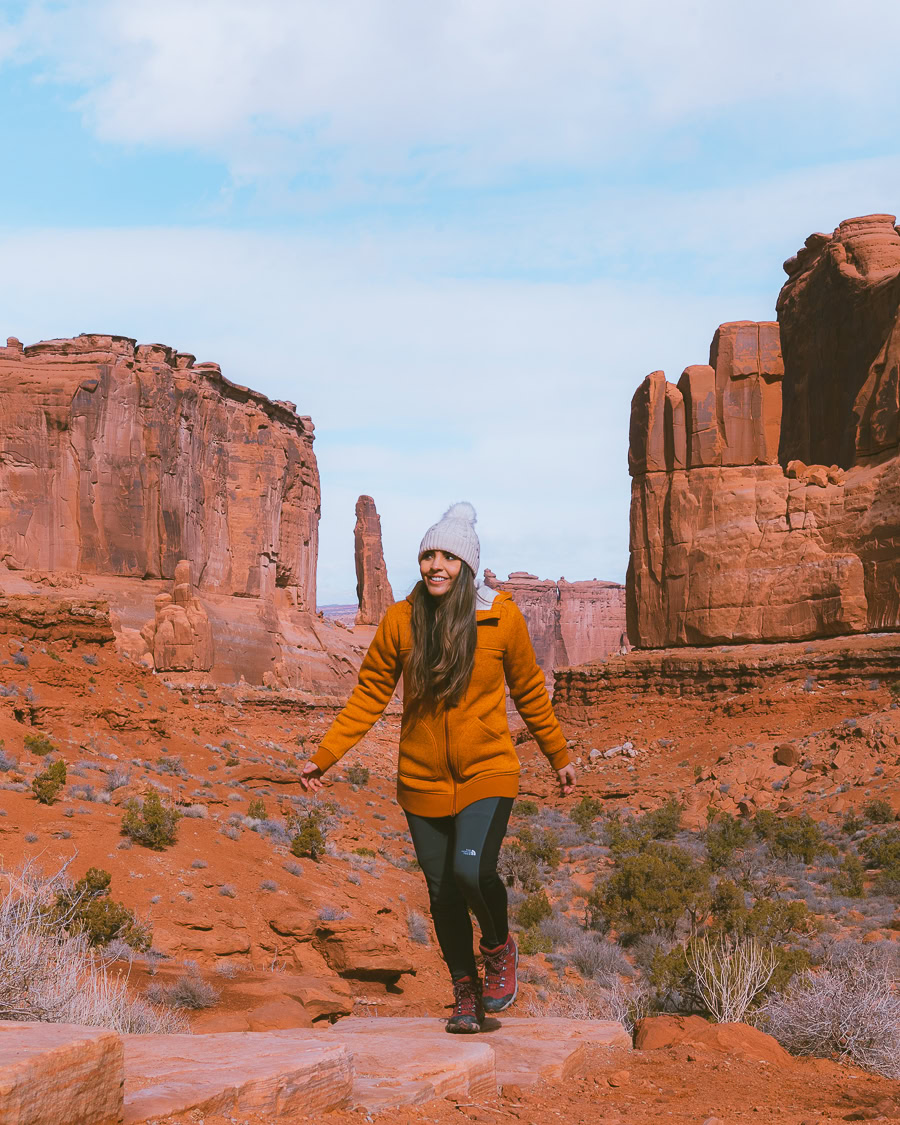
{"x":450,"y":757}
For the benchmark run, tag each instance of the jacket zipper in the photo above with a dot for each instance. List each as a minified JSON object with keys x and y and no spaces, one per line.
{"x":449,"y":764}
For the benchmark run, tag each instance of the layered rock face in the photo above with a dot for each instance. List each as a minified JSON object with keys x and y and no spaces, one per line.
{"x":745,"y":525}
{"x":569,"y":622}
{"x":133,"y":467}
{"x":118,"y":459}
{"x":373,"y":590}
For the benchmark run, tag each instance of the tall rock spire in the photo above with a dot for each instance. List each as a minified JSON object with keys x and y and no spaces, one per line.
{"x":373,"y":590}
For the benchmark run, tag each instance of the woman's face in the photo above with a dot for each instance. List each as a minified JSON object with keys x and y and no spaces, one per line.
{"x":439,"y":571}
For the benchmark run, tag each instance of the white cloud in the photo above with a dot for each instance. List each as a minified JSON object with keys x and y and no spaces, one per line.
{"x":465,"y":87}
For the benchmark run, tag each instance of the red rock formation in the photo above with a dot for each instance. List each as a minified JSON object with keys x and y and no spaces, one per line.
{"x":373,"y":590}
{"x":117,"y":461}
{"x":179,"y":636}
{"x":735,"y":536}
{"x":839,"y":312}
{"x":569,"y":622}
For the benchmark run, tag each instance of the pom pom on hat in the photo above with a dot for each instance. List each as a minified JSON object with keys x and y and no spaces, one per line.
{"x":461,"y":511}
{"x":455,"y":533}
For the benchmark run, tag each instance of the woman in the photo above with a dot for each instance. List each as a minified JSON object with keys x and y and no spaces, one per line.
{"x":457,"y":772}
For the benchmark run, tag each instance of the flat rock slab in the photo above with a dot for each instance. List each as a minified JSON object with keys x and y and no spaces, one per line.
{"x":59,"y":1073}
{"x":281,"y":1074}
{"x":394,"y":1058}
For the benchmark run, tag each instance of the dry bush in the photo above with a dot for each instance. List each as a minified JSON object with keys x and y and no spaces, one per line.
{"x":729,"y":978}
{"x":417,"y":928}
{"x":624,"y":1003}
{"x":848,"y":1007}
{"x":53,"y":977}
{"x":189,"y":990}
{"x":599,"y":960}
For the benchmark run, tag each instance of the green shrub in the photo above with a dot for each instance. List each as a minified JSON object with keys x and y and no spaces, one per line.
{"x":39,"y":744}
{"x":369,"y":852}
{"x":256,"y":809}
{"x":624,"y":835}
{"x":882,"y":850}
{"x":87,"y":909}
{"x":770,"y":921}
{"x":518,"y":868}
{"x":151,"y":823}
{"x":48,"y":785}
{"x":651,"y":891}
{"x":723,"y":837}
{"x":533,"y":941}
{"x":309,"y":835}
{"x":586,"y":812}
{"x":542,"y":844}
{"x":878,"y":812}
{"x":357,"y":775}
{"x":533,"y":910}
{"x":663,"y":823}
{"x":525,"y":808}
{"x":797,"y":837}
{"x":849,"y":879}
{"x":853,"y":823}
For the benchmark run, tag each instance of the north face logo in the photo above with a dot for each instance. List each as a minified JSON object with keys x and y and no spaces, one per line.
{"x":469,"y":851}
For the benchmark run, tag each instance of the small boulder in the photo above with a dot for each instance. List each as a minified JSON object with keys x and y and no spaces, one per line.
{"x":786,"y":754}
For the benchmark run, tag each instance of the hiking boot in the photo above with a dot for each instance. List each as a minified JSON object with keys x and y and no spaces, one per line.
{"x":500,"y":983}
{"x":468,"y":1012}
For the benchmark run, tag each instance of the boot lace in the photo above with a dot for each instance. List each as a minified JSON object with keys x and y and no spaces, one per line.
{"x":465,"y":994}
{"x":496,"y":968}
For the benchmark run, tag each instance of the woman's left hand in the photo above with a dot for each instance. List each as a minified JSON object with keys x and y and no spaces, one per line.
{"x":566,"y":779}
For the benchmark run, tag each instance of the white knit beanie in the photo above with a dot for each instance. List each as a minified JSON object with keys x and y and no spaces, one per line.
{"x":455,"y":533}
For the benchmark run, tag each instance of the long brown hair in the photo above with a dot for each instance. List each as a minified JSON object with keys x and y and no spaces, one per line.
{"x":443,"y":650}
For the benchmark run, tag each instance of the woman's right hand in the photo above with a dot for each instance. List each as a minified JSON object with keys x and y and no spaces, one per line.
{"x":310,"y":776}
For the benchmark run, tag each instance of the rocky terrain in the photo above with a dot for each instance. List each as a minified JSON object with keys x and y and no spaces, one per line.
{"x":723,"y":885}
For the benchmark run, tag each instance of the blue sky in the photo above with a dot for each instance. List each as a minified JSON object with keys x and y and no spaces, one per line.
{"x":456,"y":233}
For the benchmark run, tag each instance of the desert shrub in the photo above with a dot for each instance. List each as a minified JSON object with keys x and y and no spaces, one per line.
{"x":723,"y":837}
{"x":417,"y":927}
{"x":730,"y":978}
{"x":364,"y":852}
{"x":613,"y":1000}
{"x":663,"y":823}
{"x":172,"y":764}
{"x":86,"y":908}
{"x":651,"y":890}
{"x":849,"y":879}
{"x":596,"y":959}
{"x":847,"y":1007}
{"x":542,"y":844}
{"x":517,"y":868}
{"x":7,"y":761}
{"x":357,"y":775}
{"x":586,"y":812}
{"x":187,"y":991}
{"x":796,"y":837}
{"x":51,"y":975}
{"x":878,"y":812}
{"x":268,"y":885}
{"x":227,"y":890}
{"x":49,"y":784}
{"x":852,"y":823}
{"x":883,"y":851}
{"x":533,"y":910}
{"x":308,"y":835}
{"x":150,"y":823}
{"x":256,"y":809}
{"x":525,"y":807}
{"x":532,"y":941}
{"x":624,"y":835}
{"x":331,"y":914}
{"x":767,"y":920}
{"x":39,"y":744}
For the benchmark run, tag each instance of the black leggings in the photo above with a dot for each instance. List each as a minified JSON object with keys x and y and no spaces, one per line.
{"x":458,"y":855}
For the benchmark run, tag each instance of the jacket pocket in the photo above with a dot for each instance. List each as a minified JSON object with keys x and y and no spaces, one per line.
{"x":419,"y":757}
{"x":479,"y":748}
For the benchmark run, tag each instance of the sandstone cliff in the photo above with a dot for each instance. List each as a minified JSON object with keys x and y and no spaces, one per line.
{"x":373,"y":590}
{"x":735,"y":536}
{"x":569,"y":622}
{"x":117,"y":461}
